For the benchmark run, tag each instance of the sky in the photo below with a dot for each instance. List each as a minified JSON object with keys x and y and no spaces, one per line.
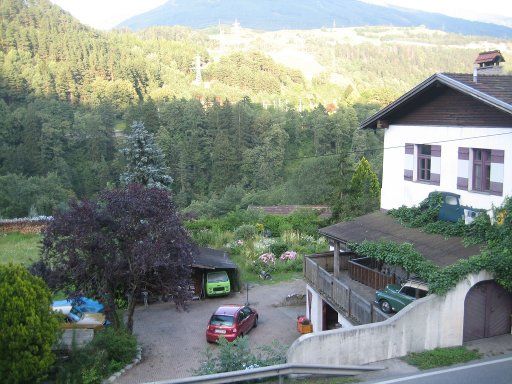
{"x":105,"y":14}
{"x":467,"y":9}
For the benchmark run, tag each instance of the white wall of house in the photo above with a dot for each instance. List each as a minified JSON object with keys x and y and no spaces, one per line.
{"x":315,"y":315}
{"x":315,"y":312}
{"x":428,"y":323}
{"x":396,"y":191}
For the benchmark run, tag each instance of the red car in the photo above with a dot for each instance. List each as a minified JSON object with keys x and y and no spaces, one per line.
{"x":231,"y":321}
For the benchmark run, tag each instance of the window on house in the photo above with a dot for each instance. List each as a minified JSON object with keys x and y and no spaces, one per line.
{"x":482,"y":170}
{"x":424,"y":162}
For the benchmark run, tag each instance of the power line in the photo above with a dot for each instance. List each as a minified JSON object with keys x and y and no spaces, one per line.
{"x":394,"y":147}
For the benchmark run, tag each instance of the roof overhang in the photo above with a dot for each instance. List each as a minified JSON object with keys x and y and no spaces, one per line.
{"x":380,"y":119}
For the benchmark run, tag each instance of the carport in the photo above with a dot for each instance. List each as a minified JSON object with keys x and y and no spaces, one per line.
{"x":210,"y":260}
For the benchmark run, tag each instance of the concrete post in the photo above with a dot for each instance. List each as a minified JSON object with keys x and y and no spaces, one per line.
{"x":336,"y":259}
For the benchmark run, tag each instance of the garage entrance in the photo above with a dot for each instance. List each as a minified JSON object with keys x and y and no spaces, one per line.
{"x":487,"y":310}
{"x":329,"y":317}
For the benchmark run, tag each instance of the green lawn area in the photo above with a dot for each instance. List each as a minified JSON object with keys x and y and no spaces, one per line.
{"x":441,"y":357}
{"x":19,"y":248}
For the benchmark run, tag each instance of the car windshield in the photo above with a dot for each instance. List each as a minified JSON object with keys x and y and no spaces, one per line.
{"x":217,"y":277}
{"x":222,"y":320}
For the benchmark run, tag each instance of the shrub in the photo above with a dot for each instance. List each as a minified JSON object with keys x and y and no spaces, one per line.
{"x":29,"y":329}
{"x":288,"y":256}
{"x":290,"y":265}
{"x":276,"y":225}
{"x":107,"y":353}
{"x":441,"y":357}
{"x":279,"y":247}
{"x":237,"y":356}
{"x":120,"y":346}
{"x":246,"y":232}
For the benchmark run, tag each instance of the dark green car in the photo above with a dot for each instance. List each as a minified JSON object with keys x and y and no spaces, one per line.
{"x":395,"y":297}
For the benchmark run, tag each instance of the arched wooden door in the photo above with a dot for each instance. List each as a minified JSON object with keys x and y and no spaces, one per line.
{"x":487,"y":310}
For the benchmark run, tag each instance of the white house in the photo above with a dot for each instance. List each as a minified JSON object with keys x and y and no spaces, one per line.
{"x":452,"y":132}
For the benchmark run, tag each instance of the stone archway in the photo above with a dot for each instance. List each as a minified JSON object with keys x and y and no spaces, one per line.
{"x":487,"y":311}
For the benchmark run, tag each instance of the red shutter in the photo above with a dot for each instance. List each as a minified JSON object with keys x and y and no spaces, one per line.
{"x":463,"y":182}
{"x":435,"y":151}
{"x":497,"y":157}
{"x":409,"y":150}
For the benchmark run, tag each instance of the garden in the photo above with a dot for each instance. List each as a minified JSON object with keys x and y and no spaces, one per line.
{"x":262,"y":245}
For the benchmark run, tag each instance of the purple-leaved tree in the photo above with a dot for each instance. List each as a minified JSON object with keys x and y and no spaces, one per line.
{"x":127,"y":241}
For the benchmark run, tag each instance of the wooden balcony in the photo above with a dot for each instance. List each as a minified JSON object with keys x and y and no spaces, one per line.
{"x":344,"y":294}
{"x":366,"y":271}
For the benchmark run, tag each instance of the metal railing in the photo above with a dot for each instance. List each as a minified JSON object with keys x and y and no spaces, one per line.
{"x":279,"y":371}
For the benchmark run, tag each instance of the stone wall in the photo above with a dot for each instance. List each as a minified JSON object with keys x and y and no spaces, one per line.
{"x":431,"y":322}
{"x":22,"y":226}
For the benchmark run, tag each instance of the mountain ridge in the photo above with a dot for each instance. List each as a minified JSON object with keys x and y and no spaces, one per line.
{"x":303,"y":14}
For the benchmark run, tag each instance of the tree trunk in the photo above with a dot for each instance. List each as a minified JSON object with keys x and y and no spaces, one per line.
{"x":111,"y":311}
{"x":130,"y":311}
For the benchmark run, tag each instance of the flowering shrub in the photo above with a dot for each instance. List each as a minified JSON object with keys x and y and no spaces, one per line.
{"x":267,"y":258}
{"x":288,"y":255}
{"x":263,"y":245}
{"x":235,"y":244}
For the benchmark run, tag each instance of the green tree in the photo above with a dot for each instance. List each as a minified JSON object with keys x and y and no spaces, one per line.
{"x":29,"y":327}
{"x":364,"y":190}
{"x":144,"y":160}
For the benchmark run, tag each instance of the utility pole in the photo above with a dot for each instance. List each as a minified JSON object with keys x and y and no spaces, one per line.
{"x":198,"y":67}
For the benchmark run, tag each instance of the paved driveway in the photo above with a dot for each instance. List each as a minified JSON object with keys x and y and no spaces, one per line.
{"x":174,"y":342}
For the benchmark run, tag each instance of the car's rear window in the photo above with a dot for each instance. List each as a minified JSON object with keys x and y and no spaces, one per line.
{"x":217,"y":277}
{"x":222,"y":320}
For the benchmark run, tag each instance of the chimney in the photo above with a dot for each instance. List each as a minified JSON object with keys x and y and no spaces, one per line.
{"x":488,"y":63}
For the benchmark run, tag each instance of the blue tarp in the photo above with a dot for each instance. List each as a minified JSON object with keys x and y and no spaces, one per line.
{"x":83,"y":304}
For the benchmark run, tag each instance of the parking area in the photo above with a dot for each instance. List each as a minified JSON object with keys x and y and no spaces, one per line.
{"x":174,"y":342}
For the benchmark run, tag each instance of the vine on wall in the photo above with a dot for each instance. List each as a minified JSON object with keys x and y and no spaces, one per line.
{"x":495,"y":258}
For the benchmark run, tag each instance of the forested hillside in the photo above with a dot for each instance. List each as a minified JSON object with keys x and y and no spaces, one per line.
{"x":253,"y":131}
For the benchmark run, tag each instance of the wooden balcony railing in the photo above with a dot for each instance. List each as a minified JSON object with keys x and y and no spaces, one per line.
{"x":338,"y":294}
{"x":367,"y":275}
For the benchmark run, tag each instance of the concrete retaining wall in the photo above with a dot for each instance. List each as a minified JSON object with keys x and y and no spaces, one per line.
{"x":431,"y":322}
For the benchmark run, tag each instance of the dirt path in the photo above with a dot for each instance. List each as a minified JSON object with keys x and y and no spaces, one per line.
{"x":174,"y":342}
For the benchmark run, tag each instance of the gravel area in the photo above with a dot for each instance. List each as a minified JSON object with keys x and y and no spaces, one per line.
{"x":173,"y":342}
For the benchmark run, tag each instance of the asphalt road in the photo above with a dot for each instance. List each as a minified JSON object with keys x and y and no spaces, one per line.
{"x":496,"y":371}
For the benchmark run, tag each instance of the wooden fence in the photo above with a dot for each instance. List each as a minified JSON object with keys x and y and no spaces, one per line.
{"x":339,"y":295}
{"x":367,"y":274}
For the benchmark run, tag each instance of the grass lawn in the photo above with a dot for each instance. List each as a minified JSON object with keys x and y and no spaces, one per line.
{"x":19,"y":248}
{"x":441,"y":357}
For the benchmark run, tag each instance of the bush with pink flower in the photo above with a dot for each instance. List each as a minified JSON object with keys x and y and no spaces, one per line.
{"x":267,"y":258}
{"x":288,"y":256}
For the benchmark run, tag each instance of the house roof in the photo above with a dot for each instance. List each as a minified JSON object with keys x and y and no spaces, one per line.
{"x":489,"y":56}
{"x":495,"y":91}
{"x":381,"y":226}
{"x":208,"y":258}
{"x":323,"y":211}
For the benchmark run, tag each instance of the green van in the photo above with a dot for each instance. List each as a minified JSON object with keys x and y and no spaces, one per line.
{"x":217,"y":283}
